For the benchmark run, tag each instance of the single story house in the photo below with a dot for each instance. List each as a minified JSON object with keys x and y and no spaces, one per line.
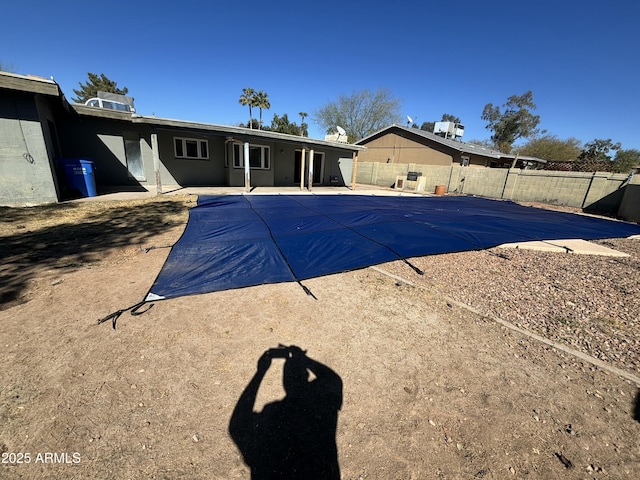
{"x":398,"y":144}
{"x":39,"y":128}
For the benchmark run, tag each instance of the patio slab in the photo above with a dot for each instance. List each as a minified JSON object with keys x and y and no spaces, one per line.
{"x":577,"y":246}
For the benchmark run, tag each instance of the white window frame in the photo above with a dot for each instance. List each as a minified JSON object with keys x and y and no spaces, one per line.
{"x":237,"y":155}
{"x":183,"y":145}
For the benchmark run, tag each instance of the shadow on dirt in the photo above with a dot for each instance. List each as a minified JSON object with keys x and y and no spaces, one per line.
{"x":637,"y":409}
{"x":80,"y":234}
{"x":296,"y":436}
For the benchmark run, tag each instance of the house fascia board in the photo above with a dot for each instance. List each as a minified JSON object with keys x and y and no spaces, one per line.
{"x":524,"y":158}
{"x":222,"y":130}
{"x":30,"y":84}
{"x":243,"y":132}
{"x":98,"y":112}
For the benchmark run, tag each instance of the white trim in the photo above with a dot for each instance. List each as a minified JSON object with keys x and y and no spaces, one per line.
{"x":238,"y":155}
{"x":183,"y":146}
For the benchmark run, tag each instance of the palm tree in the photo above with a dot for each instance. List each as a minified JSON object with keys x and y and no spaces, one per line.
{"x":248,"y":97}
{"x":302,"y":124}
{"x":262,"y":101}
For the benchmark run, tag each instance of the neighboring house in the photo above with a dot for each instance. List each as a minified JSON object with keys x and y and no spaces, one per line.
{"x":398,"y":144}
{"x":129,"y":151}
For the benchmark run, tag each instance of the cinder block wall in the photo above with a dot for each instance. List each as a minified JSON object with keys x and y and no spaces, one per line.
{"x":485,"y":182}
{"x":630,"y":204}
{"x":598,"y":191}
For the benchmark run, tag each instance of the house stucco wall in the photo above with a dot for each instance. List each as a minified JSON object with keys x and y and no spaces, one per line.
{"x":100,"y":141}
{"x":282,"y":170}
{"x":188,"y":172}
{"x":26,"y":173}
{"x":103,"y":142}
{"x":401,"y":148}
{"x":38,"y":126}
{"x":393,"y":148}
{"x":284,"y":165}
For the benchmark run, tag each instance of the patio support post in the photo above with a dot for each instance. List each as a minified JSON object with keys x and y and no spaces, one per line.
{"x":310,"y":169}
{"x":304,"y":150}
{"x":247,"y":170}
{"x":156,"y":162}
{"x":355,"y":169}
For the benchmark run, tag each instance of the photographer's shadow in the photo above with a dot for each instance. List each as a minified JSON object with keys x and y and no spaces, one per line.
{"x":294,"y":438}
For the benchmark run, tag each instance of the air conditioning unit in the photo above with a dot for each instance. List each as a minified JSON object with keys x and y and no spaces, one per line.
{"x":449,"y":129}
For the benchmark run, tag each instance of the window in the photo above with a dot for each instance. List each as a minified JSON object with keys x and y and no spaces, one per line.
{"x":259,"y":156}
{"x":191,"y":148}
{"x":111,"y":105}
{"x":115,"y":106}
{"x":464,"y":161}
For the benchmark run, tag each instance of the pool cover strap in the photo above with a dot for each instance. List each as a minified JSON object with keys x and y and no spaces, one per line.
{"x":135,"y":310}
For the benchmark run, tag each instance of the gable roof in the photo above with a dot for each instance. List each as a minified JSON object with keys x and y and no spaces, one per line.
{"x":461,"y":147}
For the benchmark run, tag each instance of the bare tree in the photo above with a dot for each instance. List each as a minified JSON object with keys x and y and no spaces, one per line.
{"x":360,"y":114}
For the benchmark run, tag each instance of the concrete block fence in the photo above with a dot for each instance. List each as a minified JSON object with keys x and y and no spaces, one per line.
{"x":601,"y":192}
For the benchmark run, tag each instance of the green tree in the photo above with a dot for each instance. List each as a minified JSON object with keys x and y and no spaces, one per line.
{"x":626,"y":160}
{"x":516,"y":121}
{"x":598,"y":150}
{"x":360,"y":114}
{"x":252,"y":125}
{"x":304,"y":128}
{"x":262,"y":101}
{"x":428,"y":126}
{"x":447,"y":117}
{"x":248,"y":97}
{"x":95,"y":84}
{"x":550,"y":147}
{"x":284,"y":125}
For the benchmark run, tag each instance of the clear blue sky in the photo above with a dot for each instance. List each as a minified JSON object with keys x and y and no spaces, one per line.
{"x":190,"y":60}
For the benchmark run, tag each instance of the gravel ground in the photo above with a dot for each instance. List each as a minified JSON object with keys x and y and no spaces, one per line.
{"x":587,"y":302}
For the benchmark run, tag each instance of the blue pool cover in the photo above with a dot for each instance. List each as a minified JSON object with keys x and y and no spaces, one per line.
{"x":245,"y":240}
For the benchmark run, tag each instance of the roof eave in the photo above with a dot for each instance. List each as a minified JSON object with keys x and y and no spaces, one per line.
{"x":168,"y":123}
{"x":29,"y":83}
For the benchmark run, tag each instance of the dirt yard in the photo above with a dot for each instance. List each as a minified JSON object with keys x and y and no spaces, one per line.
{"x":430,"y":388}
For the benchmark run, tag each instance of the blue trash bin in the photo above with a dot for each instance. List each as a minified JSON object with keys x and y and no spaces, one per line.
{"x":79,"y":176}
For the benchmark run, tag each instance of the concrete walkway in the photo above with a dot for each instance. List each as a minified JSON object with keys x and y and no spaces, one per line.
{"x":178,"y":190}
